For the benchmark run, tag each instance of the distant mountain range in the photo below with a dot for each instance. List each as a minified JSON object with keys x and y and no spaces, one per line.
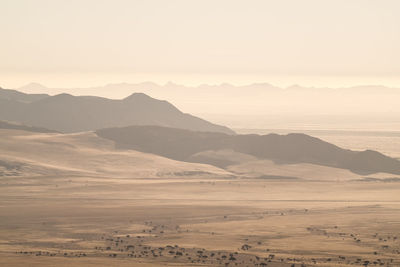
{"x":262,"y":105}
{"x":67,"y":113}
{"x":185,"y":145}
{"x":256,"y":97}
{"x":145,"y":124}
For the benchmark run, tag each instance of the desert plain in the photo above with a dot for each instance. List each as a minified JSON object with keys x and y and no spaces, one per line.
{"x":74,"y":200}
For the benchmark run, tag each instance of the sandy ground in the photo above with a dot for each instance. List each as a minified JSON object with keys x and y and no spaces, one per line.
{"x":72,"y":200}
{"x":81,"y":221}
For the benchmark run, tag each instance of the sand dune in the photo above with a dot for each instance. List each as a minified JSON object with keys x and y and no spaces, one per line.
{"x":26,"y":154}
{"x":267,"y":169}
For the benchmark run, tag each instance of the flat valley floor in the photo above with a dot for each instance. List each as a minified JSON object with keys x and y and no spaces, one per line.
{"x":84,"y":221}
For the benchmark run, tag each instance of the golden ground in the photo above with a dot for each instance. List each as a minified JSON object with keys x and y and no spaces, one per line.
{"x":81,"y":221}
{"x":73,"y":200}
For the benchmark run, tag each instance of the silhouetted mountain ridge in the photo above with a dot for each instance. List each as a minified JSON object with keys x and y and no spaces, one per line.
{"x":292,"y":148}
{"x":8,"y":94}
{"x":68,"y":113}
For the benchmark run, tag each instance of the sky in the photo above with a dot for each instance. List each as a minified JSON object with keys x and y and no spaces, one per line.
{"x":94,"y":42}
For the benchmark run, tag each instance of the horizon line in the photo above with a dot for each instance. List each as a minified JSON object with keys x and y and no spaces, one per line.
{"x":179,"y":84}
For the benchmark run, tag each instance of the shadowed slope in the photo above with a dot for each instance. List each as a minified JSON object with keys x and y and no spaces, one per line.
{"x":292,"y":148}
{"x":15,"y":126}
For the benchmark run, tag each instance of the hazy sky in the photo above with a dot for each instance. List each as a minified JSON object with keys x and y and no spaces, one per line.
{"x":92,"y":42}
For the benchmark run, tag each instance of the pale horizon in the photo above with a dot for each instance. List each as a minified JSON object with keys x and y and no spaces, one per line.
{"x":92,"y":43}
{"x":91,"y":81}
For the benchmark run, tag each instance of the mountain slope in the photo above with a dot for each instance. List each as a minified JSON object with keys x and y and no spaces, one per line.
{"x":292,"y":148}
{"x":67,"y":113}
